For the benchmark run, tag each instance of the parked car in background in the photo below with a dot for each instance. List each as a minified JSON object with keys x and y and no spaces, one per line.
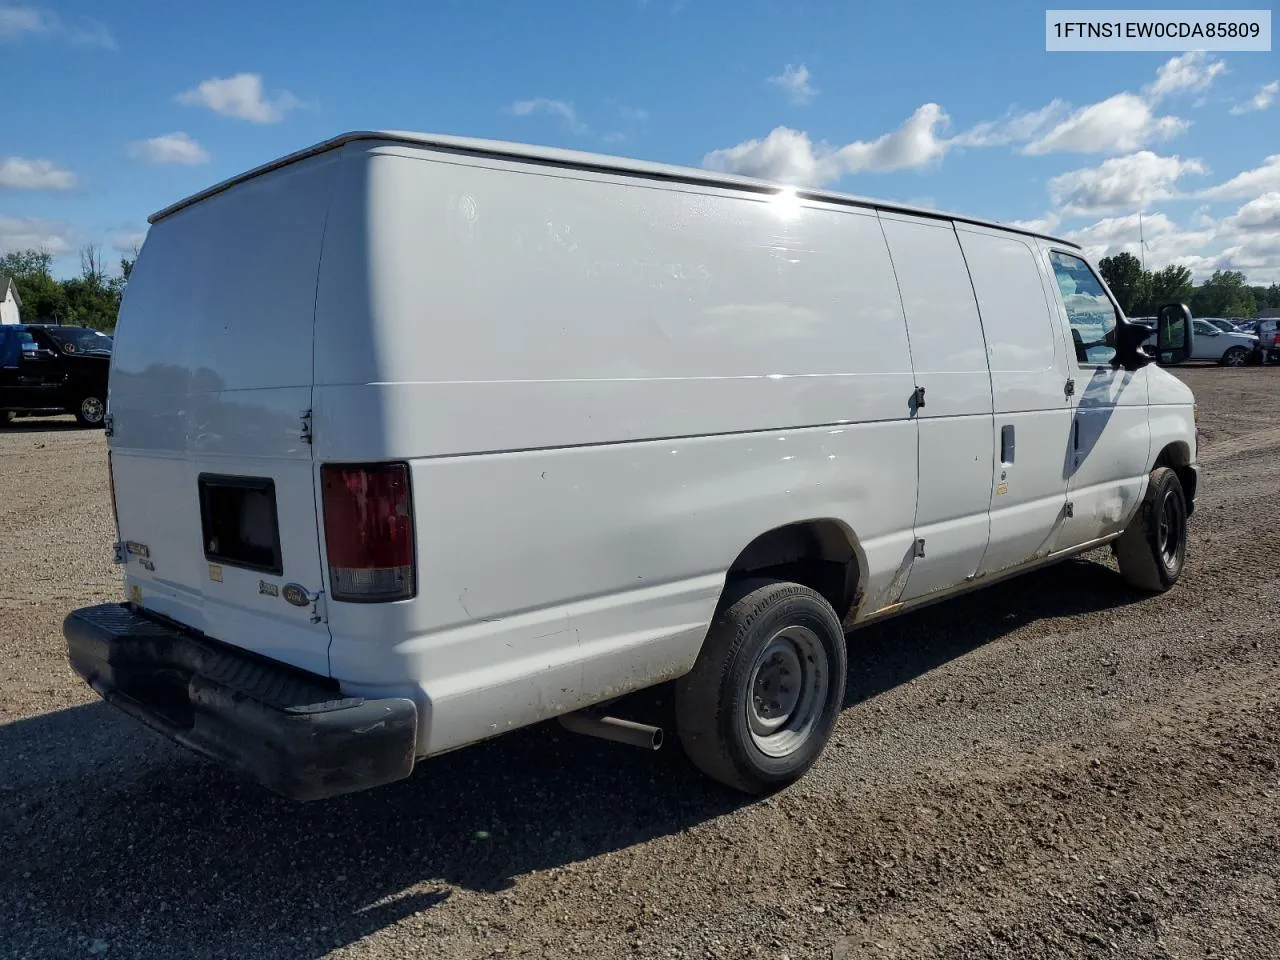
{"x":54,"y":369}
{"x":1231,"y":349}
{"x":1226,"y":326}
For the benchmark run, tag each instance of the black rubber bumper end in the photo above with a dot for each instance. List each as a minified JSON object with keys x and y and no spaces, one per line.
{"x":291,"y":731}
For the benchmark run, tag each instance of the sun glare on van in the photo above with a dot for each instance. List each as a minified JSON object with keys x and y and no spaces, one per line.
{"x":786,"y":203}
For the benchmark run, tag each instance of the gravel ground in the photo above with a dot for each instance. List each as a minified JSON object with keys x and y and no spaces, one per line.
{"x":1053,"y":767}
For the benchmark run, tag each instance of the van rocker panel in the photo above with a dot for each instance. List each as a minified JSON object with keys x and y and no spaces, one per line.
{"x":291,"y":731}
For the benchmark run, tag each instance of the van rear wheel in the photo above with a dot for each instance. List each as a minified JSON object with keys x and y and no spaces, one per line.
{"x":760,"y":703}
{"x":1153,"y":548}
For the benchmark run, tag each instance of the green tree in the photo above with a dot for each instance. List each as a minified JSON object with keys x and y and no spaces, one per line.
{"x":1127,"y":280}
{"x":43,"y":299}
{"x":1225,"y":294}
{"x":1170,"y":285}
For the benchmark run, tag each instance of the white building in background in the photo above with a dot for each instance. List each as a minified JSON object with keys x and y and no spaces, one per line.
{"x":9,"y":301}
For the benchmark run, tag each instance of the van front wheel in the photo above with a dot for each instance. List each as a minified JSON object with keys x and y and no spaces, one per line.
{"x":1153,"y":548}
{"x":764,"y":694}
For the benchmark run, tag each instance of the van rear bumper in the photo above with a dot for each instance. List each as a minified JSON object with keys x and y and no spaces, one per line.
{"x":291,"y":731}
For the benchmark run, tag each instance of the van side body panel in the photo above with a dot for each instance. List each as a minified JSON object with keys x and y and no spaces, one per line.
{"x":605,"y":390}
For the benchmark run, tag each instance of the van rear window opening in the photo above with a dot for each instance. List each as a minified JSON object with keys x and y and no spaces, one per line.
{"x":239,"y":523}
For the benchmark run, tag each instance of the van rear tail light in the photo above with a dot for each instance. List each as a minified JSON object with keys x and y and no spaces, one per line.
{"x":368,"y":531}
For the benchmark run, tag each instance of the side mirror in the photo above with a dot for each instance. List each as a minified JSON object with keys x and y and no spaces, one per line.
{"x":1173,"y":333}
{"x":1129,"y":337}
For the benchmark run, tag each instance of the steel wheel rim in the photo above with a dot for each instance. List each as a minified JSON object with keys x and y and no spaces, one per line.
{"x":786,"y":691}
{"x":91,"y":409}
{"x":1169,"y":531}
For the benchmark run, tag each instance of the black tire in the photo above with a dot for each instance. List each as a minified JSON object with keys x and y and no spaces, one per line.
{"x":6,"y":417}
{"x":720,"y":717}
{"x":91,"y":411}
{"x":1235,"y":357}
{"x":1153,"y":548}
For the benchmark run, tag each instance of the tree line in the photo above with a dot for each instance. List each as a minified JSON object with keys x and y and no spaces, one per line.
{"x":1142,"y":292}
{"x":89,"y":300}
{"x":93,"y":298}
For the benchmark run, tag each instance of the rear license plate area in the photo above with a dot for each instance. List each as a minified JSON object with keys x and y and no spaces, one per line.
{"x":239,"y":523}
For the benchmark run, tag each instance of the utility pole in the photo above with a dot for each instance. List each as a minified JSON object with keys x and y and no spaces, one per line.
{"x":1142,"y":244}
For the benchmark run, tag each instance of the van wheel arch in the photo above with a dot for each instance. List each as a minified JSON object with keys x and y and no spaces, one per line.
{"x":1177,"y":457}
{"x":822,"y":554}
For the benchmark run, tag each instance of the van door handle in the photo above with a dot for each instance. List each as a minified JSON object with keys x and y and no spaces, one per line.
{"x":1006,"y":443}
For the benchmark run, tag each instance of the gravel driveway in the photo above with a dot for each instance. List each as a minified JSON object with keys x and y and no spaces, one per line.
{"x":1056,"y":766}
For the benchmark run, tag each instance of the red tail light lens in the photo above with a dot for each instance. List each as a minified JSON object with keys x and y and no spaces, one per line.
{"x":368,"y":530}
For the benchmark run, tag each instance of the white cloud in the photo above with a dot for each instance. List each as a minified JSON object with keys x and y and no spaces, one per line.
{"x":1202,"y":217}
{"x":1257,"y":256}
{"x":1014,"y":127}
{"x":1260,"y":214}
{"x":795,"y":81}
{"x":1190,"y":72}
{"x":1247,"y":240}
{"x":1121,"y":123}
{"x":128,"y":243}
{"x":175,"y":147}
{"x":1260,"y":179}
{"x":30,"y":233}
{"x":785,"y":154}
{"x":1135,"y":180}
{"x":791,"y":157}
{"x":1045,"y":224}
{"x":1265,"y":96}
{"x":82,"y":31}
{"x":555,"y":108}
{"x":87,"y":32}
{"x":15,"y":21}
{"x":18,"y":173}
{"x":1166,"y":242}
{"x":241,"y":96}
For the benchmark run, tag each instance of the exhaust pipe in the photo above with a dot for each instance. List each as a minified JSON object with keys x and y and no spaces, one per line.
{"x":611,"y":728}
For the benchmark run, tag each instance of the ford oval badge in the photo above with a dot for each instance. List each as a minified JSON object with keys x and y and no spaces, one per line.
{"x":295,"y":594}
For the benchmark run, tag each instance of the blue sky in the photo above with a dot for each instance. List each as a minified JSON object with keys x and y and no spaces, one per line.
{"x":124,"y":108}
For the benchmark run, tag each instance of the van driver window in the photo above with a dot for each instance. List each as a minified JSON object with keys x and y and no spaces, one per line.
{"x":1089,"y":310}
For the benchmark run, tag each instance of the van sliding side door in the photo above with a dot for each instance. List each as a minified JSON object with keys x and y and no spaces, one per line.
{"x":953,"y":413}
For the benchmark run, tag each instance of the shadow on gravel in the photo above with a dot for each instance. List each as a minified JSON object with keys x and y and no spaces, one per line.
{"x":894,"y":652}
{"x":42,"y":425}
{"x":109,"y":833}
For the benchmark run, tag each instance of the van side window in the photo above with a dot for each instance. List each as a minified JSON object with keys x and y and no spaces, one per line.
{"x":1089,"y":310}
{"x":1011,"y":299}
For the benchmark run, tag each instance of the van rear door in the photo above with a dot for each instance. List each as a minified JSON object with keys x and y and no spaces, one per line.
{"x":210,"y":393}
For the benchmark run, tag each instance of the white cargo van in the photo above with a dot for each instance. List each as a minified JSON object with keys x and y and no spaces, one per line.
{"x":415,"y":440}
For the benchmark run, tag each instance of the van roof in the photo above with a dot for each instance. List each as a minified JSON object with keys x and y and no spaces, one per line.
{"x":581,"y":160}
